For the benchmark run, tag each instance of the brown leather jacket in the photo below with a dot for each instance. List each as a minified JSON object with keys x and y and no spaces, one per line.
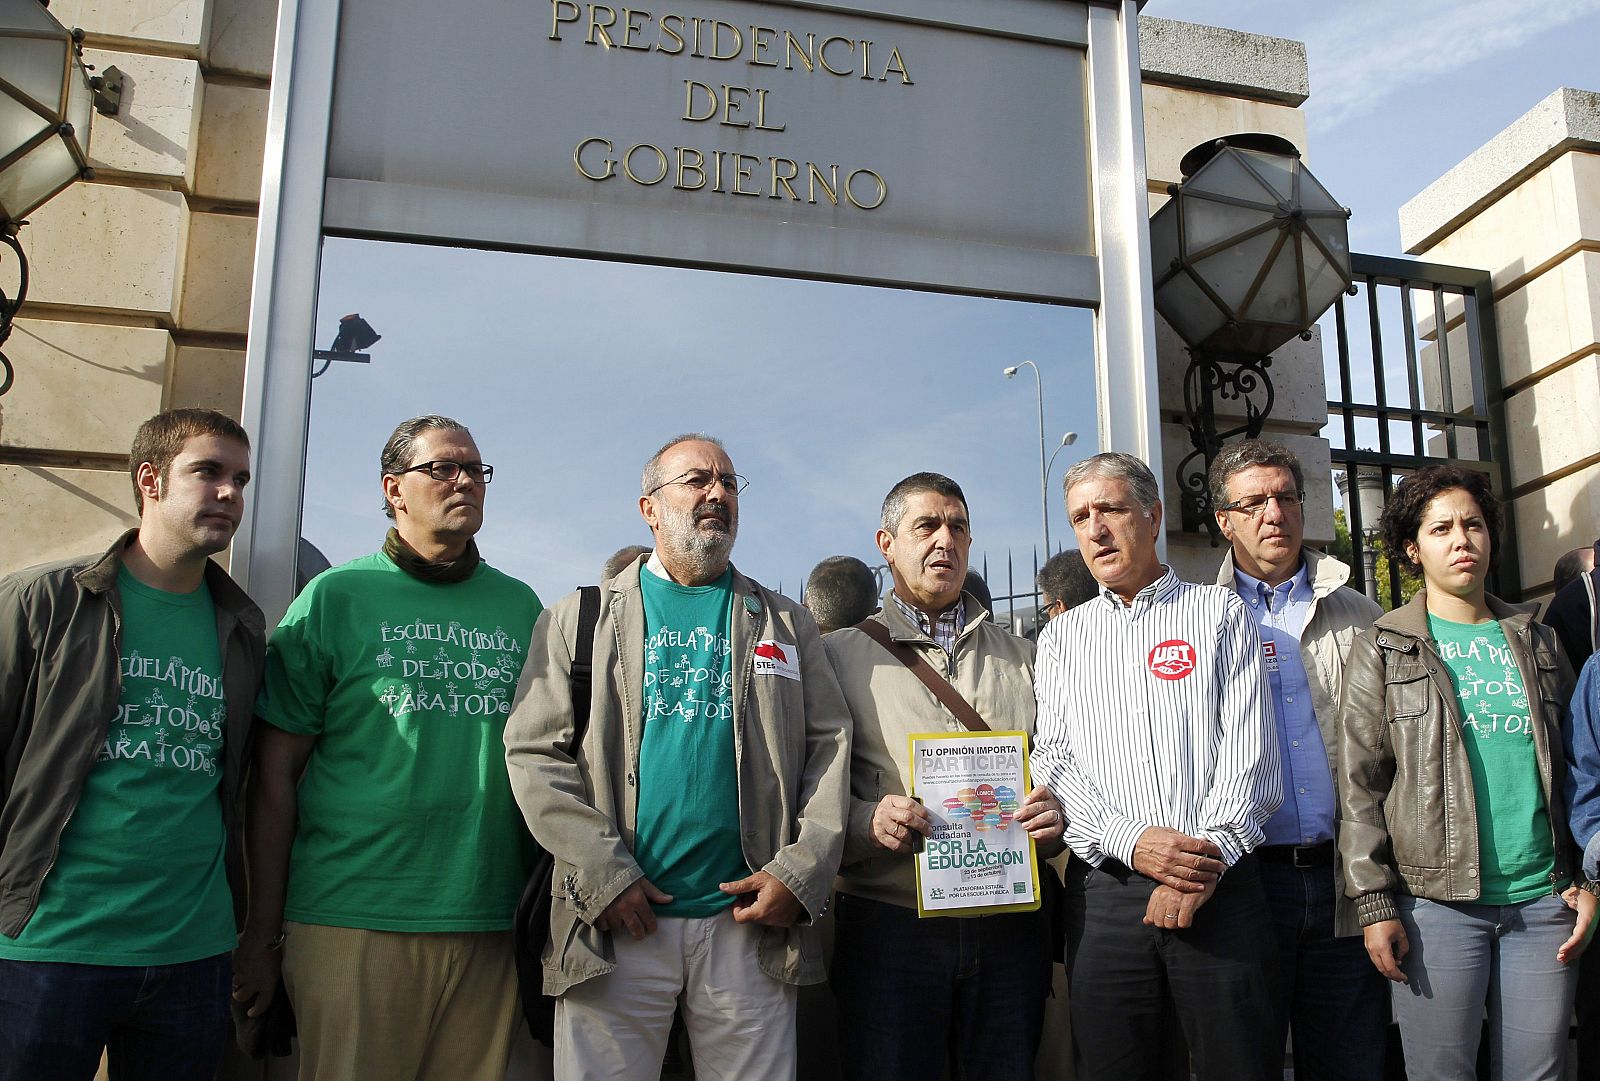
{"x":1409,"y":820}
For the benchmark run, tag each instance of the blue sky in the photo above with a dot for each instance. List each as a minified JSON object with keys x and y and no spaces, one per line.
{"x":1401,"y":90}
{"x":572,"y":372}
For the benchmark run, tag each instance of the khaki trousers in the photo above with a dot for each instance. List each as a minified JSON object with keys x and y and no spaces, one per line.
{"x":384,"y":1004}
{"x":740,"y":1020}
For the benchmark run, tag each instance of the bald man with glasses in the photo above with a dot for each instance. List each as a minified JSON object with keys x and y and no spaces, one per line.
{"x":697,"y":824}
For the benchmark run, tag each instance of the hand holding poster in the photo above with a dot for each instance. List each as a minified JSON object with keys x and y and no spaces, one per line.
{"x":976,"y":859}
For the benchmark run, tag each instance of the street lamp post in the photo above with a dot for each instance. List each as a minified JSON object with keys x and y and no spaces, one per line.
{"x":1044,"y":469}
{"x":1067,"y":439}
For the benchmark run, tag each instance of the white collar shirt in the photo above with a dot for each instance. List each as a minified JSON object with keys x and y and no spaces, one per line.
{"x":1157,"y":713}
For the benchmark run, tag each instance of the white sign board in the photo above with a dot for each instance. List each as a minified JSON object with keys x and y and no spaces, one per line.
{"x":781,"y":138}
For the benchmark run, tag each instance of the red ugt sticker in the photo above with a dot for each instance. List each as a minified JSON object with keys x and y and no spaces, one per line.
{"x":1173,"y":659}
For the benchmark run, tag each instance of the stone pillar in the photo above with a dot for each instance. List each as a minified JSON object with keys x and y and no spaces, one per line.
{"x":1200,"y":83}
{"x":140,"y":290}
{"x":1526,"y":207}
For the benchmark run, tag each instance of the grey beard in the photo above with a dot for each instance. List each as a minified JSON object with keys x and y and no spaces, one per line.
{"x":705,"y":553}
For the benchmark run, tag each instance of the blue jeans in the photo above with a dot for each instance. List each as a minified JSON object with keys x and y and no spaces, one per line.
{"x":911,"y":993}
{"x":1329,"y":993}
{"x":161,"y":1023}
{"x":1464,"y":957}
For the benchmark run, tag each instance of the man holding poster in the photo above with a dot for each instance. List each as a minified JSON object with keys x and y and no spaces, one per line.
{"x":909,"y":989}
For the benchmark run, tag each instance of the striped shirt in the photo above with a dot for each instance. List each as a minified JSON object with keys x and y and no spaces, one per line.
{"x":1157,"y":714}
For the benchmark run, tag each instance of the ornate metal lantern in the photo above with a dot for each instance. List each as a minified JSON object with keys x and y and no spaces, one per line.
{"x":46,"y":102}
{"x":1248,"y":253}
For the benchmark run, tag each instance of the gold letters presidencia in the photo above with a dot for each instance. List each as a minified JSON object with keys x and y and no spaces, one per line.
{"x":728,"y":104}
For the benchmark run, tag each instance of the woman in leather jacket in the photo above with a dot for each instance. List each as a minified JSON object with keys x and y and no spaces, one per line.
{"x":1453,"y":828}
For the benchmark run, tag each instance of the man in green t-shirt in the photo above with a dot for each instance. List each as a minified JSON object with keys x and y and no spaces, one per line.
{"x":386,"y":852}
{"x":126,"y":685}
{"x":697,"y":829}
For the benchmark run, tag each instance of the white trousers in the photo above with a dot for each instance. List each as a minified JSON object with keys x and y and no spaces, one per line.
{"x":740,"y":1020}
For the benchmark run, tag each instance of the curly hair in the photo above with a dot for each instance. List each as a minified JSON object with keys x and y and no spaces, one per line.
{"x":1402,"y":516}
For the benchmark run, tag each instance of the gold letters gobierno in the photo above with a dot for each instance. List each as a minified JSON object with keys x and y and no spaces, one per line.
{"x":727,"y":172}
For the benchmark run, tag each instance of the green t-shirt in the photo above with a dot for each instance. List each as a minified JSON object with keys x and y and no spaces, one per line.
{"x":407,"y":822}
{"x":687,"y":840}
{"x":1514,"y":838}
{"x":139,"y":878}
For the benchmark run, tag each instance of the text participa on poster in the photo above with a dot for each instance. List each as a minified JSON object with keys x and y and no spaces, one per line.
{"x":977,"y":859}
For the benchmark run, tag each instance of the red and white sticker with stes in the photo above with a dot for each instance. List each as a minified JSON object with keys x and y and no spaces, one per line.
{"x":777,"y":659}
{"x":1172,"y":659}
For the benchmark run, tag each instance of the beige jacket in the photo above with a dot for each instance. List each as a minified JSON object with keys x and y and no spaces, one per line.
{"x":1337,"y":614}
{"x":991,"y":668}
{"x":791,"y":741}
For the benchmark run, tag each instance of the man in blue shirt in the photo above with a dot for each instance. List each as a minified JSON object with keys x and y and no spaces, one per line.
{"x":1329,"y":990}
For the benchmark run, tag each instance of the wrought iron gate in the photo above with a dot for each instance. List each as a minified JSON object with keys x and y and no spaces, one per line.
{"x":1448,"y":409}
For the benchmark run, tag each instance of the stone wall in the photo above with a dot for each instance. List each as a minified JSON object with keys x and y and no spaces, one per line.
{"x":1526,"y":208}
{"x":1202,"y":82}
{"x":140,"y":293}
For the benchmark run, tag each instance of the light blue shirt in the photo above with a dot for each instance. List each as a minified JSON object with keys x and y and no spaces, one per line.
{"x":1309,"y":804}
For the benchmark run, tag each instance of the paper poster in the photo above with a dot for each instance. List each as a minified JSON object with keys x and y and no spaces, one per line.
{"x":977,"y":858}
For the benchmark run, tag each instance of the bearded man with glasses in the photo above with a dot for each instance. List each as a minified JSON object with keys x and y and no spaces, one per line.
{"x":697,"y":824}
{"x":386,"y":854}
{"x":1330,"y":994}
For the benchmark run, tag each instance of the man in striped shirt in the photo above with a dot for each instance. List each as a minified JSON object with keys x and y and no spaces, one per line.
{"x":1155,"y":732}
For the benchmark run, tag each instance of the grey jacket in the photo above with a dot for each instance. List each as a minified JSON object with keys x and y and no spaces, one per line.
{"x":1410,"y":818}
{"x":991,"y":668}
{"x":1338,"y":613}
{"x":60,"y":682}
{"x":791,"y":742}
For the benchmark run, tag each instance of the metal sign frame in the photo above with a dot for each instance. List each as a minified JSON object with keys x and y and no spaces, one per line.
{"x":296,"y":193}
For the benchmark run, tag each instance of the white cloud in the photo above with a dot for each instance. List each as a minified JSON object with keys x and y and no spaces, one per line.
{"x":1367,"y":51}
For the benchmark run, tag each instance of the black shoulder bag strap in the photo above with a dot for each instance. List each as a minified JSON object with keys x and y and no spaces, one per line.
{"x":947,"y":695}
{"x":582,"y":676}
{"x":531,"y":928}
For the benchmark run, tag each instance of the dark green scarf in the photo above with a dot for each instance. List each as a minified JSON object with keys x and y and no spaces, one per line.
{"x":406,"y":558}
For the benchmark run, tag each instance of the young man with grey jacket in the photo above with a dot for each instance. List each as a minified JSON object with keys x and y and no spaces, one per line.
{"x":1330,"y":994}
{"x":126,"y":684}
{"x":697,"y":825}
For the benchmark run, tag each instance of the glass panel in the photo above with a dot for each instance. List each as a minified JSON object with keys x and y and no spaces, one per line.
{"x":1164,"y":238}
{"x":1192,"y":314}
{"x":18,"y":124}
{"x":80,"y":107}
{"x":1231,"y":271}
{"x":1226,"y":175}
{"x":1278,"y":300}
{"x":1313,"y":196}
{"x":40,"y":173}
{"x":1277,"y":170}
{"x":28,"y":15}
{"x":572,"y":372}
{"x":1208,"y":222}
{"x":35,"y":66}
{"x":1324,"y":282}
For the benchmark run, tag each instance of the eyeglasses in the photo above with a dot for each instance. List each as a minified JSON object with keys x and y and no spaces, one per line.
{"x":448,"y":471}
{"x":701,"y":479}
{"x":1254,"y":505}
